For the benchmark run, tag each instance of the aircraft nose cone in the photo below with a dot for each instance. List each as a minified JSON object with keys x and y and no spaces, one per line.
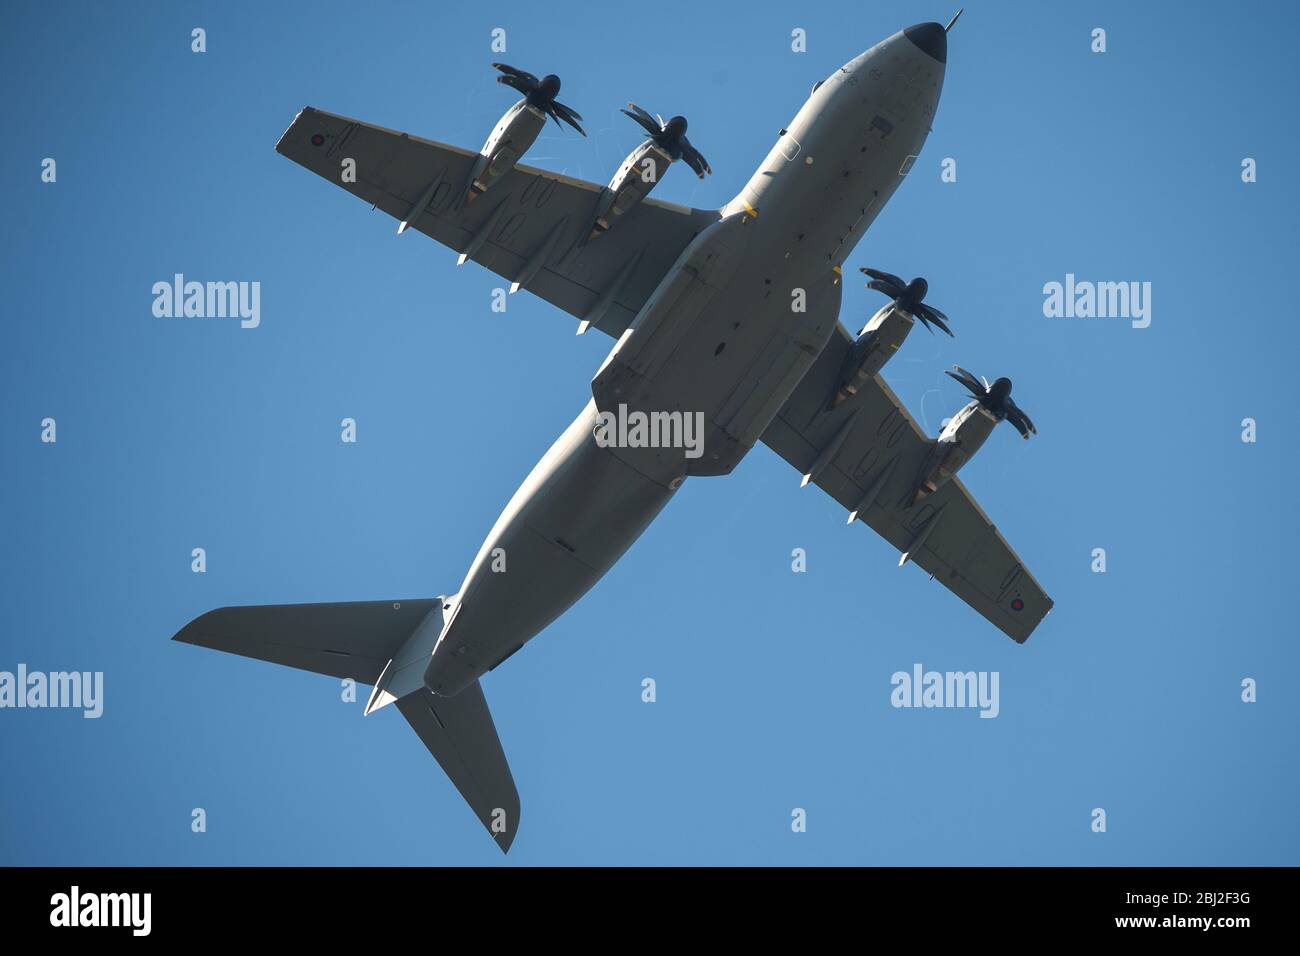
{"x":931,"y":38}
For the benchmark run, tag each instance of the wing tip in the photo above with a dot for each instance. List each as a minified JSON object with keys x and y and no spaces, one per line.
{"x":1024,"y":635}
{"x":189,"y":634}
{"x":280,"y":143}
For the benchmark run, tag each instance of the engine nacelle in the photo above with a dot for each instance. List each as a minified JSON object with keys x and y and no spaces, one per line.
{"x":957,"y":444}
{"x":639,"y":174}
{"x":877,"y":343}
{"x":513,"y":136}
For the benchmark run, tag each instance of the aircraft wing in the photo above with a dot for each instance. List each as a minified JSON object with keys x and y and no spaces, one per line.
{"x":875,"y":450}
{"x":530,"y":221}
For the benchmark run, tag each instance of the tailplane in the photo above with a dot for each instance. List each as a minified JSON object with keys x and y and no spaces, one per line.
{"x":386,"y":644}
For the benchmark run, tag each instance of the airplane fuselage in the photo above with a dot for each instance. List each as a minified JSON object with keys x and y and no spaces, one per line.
{"x":727,"y":335}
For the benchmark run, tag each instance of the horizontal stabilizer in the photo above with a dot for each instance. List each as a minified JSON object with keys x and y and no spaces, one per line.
{"x":355,"y":639}
{"x":460,"y":734}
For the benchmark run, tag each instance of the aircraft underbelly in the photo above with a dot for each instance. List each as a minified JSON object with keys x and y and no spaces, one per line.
{"x":574,"y":517}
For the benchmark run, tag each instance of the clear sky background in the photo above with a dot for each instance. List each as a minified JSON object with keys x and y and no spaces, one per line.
{"x":773,"y":687}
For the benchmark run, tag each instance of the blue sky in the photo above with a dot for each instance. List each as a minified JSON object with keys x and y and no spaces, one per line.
{"x":773,"y":687}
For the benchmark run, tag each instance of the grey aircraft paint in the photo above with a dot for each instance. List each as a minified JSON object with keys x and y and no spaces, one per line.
{"x":739,"y":335}
{"x":690,"y":350}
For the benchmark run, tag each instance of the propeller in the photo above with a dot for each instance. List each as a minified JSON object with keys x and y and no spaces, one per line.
{"x":996,"y":398}
{"x":670,"y":136}
{"x":540,"y":93}
{"x":907,"y":296}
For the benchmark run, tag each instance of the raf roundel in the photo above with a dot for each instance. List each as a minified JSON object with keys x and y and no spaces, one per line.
{"x":1017,"y":605}
{"x":318,"y":140}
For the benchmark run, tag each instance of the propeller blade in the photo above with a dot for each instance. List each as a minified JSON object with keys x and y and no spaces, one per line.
{"x":646,"y":122}
{"x":967,"y":385}
{"x":647,"y":117}
{"x":969,"y":380}
{"x":572,"y":113}
{"x":509,"y":70}
{"x":885,"y":286}
{"x":935,"y":313}
{"x":1019,"y":424}
{"x":694,"y":158}
{"x":1019,"y":418}
{"x":516,"y":83}
{"x":886,"y":276}
{"x":559,"y":111}
{"x":928,"y":315}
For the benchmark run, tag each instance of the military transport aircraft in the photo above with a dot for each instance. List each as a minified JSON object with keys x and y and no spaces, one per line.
{"x":728,"y":318}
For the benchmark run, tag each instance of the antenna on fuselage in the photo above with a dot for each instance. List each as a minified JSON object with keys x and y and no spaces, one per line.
{"x":955,"y":17}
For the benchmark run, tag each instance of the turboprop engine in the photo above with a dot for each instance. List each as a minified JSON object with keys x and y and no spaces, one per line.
{"x":881,"y":337}
{"x":646,"y":165}
{"x":519,"y":127}
{"x":968,"y":429}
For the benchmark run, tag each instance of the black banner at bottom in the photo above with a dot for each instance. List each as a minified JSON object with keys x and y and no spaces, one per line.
{"x":365,"y":905}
